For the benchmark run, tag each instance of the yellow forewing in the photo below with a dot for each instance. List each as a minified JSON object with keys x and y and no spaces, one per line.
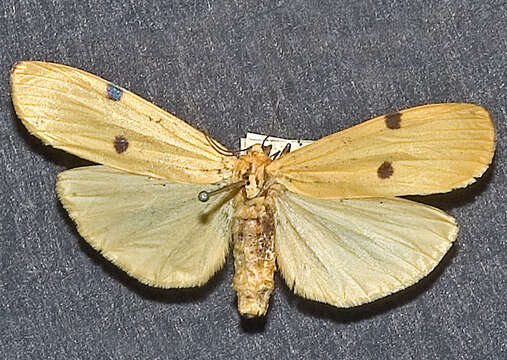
{"x":423,"y":150}
{"x":89,"y":117}
{"x":349,"y":252}
{"x":155,"y":230}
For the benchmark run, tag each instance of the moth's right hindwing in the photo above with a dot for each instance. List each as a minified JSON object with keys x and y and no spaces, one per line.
{"x":155,"y":230}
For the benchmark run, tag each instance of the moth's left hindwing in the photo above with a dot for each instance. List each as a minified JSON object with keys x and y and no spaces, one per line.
{"x":155,"y":230}
{"x":349,"y":252}
{"x":87,"y":116}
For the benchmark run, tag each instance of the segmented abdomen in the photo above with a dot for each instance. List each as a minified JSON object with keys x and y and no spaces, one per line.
{"x":254,"y":256}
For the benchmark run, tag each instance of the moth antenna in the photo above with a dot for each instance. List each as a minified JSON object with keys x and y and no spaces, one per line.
{"x":266,"y":138}
{"x":266,"y":148}
{"x":238,"y":151}
{"x":223,"y":150}
{"x":204,"y":196}
{"x":218,"y":147}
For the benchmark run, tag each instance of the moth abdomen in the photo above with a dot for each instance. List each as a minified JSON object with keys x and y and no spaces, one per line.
{"x":254,"y":256}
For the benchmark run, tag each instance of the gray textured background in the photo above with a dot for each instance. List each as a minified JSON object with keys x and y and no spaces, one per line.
{"x":219,"y":65}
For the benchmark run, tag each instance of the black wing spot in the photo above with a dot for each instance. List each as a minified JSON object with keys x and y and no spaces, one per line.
{"x":393,"y":121}
{"x":120,"y":144}
{"x":385,"y":170}
{"x":114,"y":92}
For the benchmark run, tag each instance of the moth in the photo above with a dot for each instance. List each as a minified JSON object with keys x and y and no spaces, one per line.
{"x":168,"y":201}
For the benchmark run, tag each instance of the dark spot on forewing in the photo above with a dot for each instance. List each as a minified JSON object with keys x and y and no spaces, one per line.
{"x":385,"y":170}
{"x":114,"y":92}
{"x":120,"y":144}
{"x":393,"y":121}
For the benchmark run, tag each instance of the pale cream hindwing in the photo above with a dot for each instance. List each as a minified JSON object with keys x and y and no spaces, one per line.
{"x":349,"y":252}
{"x":155,"y":230}
{"x":90,"y":117}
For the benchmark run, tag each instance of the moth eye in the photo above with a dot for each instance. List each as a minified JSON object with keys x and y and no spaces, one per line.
{"x":120,"y":144}
{"x":385,"y":170}
{"x":114,"y":92}
{"x":267,"y":149}
{"x":393,"y":121}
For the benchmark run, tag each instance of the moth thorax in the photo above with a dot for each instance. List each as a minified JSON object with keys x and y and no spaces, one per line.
{"x":254,"y":256}
{"x":254,"y":184}
{"x":250,"y":168}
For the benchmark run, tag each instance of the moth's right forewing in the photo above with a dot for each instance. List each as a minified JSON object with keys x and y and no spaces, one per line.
{"x":90,"y":117}
{"x":155,"y":230}
{"x":349,"y":252}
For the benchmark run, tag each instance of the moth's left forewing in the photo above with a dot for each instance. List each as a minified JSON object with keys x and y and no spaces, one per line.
{"x":423,"y":150}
